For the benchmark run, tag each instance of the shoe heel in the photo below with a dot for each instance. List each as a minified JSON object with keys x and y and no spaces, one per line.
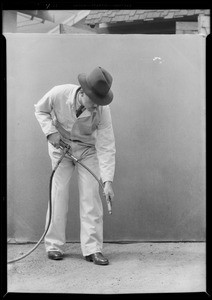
{"x":89,"y":258}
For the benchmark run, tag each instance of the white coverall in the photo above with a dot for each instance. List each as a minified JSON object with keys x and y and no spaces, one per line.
{"x":91,"y":139}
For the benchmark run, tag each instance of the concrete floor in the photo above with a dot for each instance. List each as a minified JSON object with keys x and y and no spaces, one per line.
{"x":133,"y":268}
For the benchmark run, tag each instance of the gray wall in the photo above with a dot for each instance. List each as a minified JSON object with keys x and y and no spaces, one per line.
{"x":159,"y":123}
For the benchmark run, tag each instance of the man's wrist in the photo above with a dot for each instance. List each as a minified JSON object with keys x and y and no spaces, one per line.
{"x":48,"y":134}
{"x":108,"y":182}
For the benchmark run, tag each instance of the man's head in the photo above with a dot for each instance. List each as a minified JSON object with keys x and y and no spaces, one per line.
{"x":86,"y":101}
{"x":96,"y":86}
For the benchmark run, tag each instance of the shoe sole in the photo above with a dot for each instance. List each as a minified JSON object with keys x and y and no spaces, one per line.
{"x":59,"y":258}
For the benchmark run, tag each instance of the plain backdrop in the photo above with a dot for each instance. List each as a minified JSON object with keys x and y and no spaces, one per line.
{"x":158,"y":116}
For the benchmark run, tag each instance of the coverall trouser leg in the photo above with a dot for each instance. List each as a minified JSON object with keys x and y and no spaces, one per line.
{"x":55,"y":238}
{"x":91,"y":210}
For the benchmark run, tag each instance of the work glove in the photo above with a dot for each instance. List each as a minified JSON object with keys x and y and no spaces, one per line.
{"x":108,"y":191}
{"x":54,"y":139}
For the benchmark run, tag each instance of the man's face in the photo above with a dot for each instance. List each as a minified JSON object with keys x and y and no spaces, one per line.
{"x":88,"y":103}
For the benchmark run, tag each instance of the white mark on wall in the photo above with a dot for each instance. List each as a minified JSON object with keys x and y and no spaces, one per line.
{"x":158,"y":59}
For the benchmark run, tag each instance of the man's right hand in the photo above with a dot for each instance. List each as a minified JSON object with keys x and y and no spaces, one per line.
{"x":54,"y":139}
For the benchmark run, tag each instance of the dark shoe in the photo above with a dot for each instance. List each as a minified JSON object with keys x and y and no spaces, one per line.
{"x":97,"y":258}
{"x":56,"y":255}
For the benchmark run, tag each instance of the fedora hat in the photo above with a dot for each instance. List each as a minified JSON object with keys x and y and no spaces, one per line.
{"x":96,"y":86}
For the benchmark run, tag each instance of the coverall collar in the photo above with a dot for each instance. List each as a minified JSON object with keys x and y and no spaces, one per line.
{"x":72,"y":96}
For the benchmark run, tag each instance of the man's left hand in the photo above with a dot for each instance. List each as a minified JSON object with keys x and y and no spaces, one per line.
{"x":108,"y":191}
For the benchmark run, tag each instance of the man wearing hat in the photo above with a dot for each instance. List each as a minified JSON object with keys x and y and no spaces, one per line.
{"x":80,"y":117}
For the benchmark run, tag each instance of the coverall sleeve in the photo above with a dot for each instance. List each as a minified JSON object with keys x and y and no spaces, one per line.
{"x":43,"y":111}
{"x":105,"y":146}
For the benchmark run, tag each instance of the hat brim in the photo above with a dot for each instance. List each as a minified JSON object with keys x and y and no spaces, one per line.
{"x":97,"y":99}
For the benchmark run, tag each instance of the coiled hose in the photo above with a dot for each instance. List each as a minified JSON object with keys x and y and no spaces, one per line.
{"x":65,"y":148}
